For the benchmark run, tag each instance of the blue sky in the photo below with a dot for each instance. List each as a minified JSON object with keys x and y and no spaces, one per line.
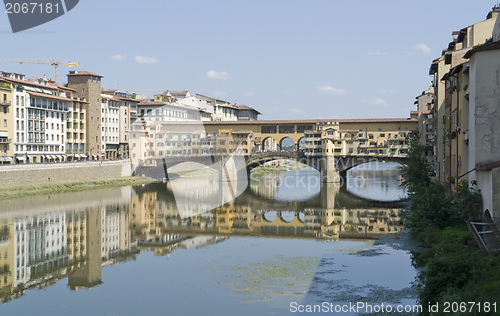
{"x":288,"y":59}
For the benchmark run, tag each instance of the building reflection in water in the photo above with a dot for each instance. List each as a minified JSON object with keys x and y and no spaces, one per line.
{"x":46,"y":238}
{"x":84,"y":232}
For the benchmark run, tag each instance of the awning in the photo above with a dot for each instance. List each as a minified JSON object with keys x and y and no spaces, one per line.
{"x":4,"y":134}
{"x":83,"y":156}
{"x":1,"y":159}
{"x":60,"y":157}
{"x":76,"y":155}
{"x":8,"y":159}
{"x":488,"y":166}
{"x":21,"y":158}
{"x":53,"y":156}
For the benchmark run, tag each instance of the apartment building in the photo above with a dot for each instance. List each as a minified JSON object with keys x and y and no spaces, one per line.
{"x":6,"y":123}
{"x":151,"y":140}
{"x":426,"y":121}
{"x":171,"y":95}
{"x":127,"y":112}
{"x":75,"y":121}
{"x":167,"y":111}
{"x":38,"y":115}
{"x":451,"y":99}
{"x":222,"y":110}
{"x":370,"y":137}
{"x":463,"y":110}
{"x":110,"y":127}
{"x":484,"y":127}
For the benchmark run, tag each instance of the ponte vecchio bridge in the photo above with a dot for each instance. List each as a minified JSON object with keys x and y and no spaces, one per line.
{"x":330,"y":146}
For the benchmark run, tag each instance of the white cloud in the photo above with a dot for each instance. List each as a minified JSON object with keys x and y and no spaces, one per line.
{"x":388,"y":91}
{"x":423,"y":48}
{"x":220,"y":93}
{"x":296,"y":111}
{"x":331,"y":90}
{"x":378,"y":53}
{"x":378,"y":101}
{"x":212,"y":74}
{"x":118,"y":57}
{"x":145,"y":60}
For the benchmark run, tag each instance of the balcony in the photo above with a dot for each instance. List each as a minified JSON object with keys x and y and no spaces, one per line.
{"x":5,"y":103}
{"x":5,"y":141}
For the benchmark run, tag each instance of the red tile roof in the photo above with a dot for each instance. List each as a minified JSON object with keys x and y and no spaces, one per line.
{"x":176,"y":93}
{"x":51,"y":96}
{"x":64,"y":88}
{"x":82,"y":73}
{"x":29,"y":83}
{"x":244,"y":107}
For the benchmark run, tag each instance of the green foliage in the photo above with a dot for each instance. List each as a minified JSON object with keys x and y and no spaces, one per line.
{"x":456,"y":271}
{"x":467,"y":201}
{"x":453,"y":267}
{"x":416,"y":171}
{"x":6,"y":85}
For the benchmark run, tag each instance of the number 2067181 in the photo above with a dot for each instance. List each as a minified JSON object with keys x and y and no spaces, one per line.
{"x":32,"y":7}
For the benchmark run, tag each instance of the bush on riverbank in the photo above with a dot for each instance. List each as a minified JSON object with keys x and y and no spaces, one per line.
{"x":453,"y":267}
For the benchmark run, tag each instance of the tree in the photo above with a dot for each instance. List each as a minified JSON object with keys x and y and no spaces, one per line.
{"x":416,"y":171}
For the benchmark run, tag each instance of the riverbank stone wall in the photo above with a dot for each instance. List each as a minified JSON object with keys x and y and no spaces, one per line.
{"x":71,"y":171}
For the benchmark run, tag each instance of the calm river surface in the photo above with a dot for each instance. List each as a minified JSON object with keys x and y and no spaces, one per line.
{"x":287,"y":242}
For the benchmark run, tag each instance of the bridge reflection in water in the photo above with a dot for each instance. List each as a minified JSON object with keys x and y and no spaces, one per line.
{"x":317,"y":210}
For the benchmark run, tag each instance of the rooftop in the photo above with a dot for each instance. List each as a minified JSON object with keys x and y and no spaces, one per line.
{"x":82,"y":73}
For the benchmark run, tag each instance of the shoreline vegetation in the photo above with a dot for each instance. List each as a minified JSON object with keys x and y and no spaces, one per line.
{"x":263,"y":170}
{"x":452,"y":266}
{"x":25,"y":189}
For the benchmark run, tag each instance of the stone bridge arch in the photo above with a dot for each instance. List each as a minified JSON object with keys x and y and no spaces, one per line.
{"x":280,"y":144}
{"x":344,"y":164}
{"x":279,"y":220}
{"x":269,"y":143}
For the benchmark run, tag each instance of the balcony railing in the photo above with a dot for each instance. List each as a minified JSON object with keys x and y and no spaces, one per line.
{"x":5,"y":141}
{"x":5,"y":103}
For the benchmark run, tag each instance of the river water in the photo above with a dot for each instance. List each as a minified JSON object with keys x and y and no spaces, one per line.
{"x":287,"y":244}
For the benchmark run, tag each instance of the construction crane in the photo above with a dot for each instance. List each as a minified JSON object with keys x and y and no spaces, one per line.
{"x":54,"y":63}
